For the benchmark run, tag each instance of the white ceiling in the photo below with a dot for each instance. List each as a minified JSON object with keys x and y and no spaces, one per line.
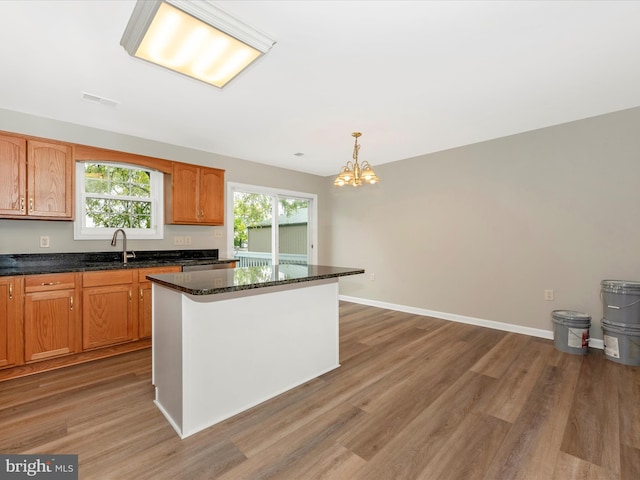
{"x":415,"y":77}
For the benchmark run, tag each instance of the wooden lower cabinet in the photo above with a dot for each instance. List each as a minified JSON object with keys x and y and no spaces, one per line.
{"x":10,"y":321}
{"x":108,"y":308}
{"x":144,"y":310}
{"x":52,"y":320}
{"x":51,"y":316}
{"x":144,"y":298}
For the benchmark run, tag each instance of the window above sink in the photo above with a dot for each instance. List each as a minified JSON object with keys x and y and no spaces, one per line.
{"x":117,"y":195}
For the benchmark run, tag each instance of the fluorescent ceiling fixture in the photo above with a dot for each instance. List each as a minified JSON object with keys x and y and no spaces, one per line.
{"x":196,"y":39}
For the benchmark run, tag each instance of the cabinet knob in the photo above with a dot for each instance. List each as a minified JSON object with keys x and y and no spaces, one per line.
{"x":130,"y":295}
{"x":141,"y":294}
{"x":11,"y":291}
{"x":71,"y":302}
{"x":22,"y":204}
{"x":31,"y":204}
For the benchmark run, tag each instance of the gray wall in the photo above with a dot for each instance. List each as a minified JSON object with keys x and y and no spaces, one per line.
{"x":481,"y":231}
{"x":23,"y":236}
{"x":478,"y":231}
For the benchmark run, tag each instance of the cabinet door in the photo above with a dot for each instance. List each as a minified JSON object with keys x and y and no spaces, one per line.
{"x":197,"y":195}
{"x":145,"y":301}
{"x":50,"y":324}
{"x":145,"y":305}
{"x":50,"y":180}
{"x":10,"y":326}
{"x":13,"y":175}
{"x":211,"y":196}
{"x":184,"y":191}
{"x":107,"y":315}
{"x":51,"y":315}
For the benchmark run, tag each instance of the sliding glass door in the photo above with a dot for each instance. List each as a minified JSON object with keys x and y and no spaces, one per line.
{"x":272,"y":227}
{"x":293,"y":230}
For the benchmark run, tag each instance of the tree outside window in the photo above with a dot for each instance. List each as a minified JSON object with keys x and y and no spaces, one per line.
{"x":255,"y":209}
{"x":112,"y":196}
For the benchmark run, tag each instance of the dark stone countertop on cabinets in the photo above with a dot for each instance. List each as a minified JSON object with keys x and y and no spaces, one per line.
{"x":210,"y":282}
{"x":37,"y":263}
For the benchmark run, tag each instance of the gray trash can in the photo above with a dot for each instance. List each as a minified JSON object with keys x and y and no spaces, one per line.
{"x":621,"y":342}
{"x":621,"y":301}
{"x":571,"y":331}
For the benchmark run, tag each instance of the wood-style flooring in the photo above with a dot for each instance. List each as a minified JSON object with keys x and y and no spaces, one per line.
{"x":415,"y":398}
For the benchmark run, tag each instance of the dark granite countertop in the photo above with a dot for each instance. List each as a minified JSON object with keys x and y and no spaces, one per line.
{"x":210,"y":282}
{"x":31,"y":264}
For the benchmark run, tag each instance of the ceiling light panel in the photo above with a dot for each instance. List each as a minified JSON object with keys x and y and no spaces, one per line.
{"x":196,"y":39}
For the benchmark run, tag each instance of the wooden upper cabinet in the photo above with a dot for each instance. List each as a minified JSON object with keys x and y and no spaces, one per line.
{"x":211,"y":196}
{"x":13,"y":172}
{"x":37,"y":179}
{"x":50,"y":173}
{"x":195,"y":195}
{"x":182,"y":204}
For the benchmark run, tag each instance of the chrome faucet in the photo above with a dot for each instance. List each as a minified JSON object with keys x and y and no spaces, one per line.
{"x":125,"y":255}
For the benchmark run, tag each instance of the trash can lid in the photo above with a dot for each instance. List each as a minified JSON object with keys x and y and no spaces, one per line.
{"x":625,"y":328}
{"x":620,"y":286}
{"x":570,"y":315}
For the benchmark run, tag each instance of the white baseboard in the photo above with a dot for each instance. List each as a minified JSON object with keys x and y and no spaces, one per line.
{"x":507,"y":327}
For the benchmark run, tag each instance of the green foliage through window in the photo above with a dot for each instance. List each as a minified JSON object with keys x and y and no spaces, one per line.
{"x":254,"y":209}
{"x":249,"y":210}
{"x":117,"y":196}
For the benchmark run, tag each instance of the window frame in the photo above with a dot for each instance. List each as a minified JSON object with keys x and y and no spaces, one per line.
{"x":276,"y":194}
{"x":156,"y":232}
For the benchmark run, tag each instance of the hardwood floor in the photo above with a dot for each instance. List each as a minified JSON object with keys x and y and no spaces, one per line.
{"x":415,"y":398}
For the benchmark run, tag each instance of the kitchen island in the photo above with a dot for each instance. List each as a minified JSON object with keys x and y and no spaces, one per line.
{"x":227,"y":340}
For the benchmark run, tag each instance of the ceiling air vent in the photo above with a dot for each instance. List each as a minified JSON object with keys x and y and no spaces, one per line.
{"x":90,"y":97}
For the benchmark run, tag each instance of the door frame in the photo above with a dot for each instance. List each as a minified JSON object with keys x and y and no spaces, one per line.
{"x":312,"y":220}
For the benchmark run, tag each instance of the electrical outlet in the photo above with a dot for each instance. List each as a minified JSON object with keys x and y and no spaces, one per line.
{"x":178,"y":240}
{"x":548,"y":295}
{"x":372,"y":277}
{"x":217,"y":234}
{"x":187,"y":240}
{"x":44,"y":242}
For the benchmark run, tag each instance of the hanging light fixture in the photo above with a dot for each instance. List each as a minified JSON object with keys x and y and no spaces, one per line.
{"x":353,"y":173}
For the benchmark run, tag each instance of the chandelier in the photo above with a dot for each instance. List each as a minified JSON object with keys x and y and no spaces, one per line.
{"x":353,"y":173}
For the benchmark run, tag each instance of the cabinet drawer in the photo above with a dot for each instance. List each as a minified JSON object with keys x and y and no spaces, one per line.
{"x":49,"y":281}
{"x":143,"y":272}
{"x":107,"y":277}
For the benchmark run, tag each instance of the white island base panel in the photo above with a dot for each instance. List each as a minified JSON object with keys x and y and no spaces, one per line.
{"x":217,"y":355}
